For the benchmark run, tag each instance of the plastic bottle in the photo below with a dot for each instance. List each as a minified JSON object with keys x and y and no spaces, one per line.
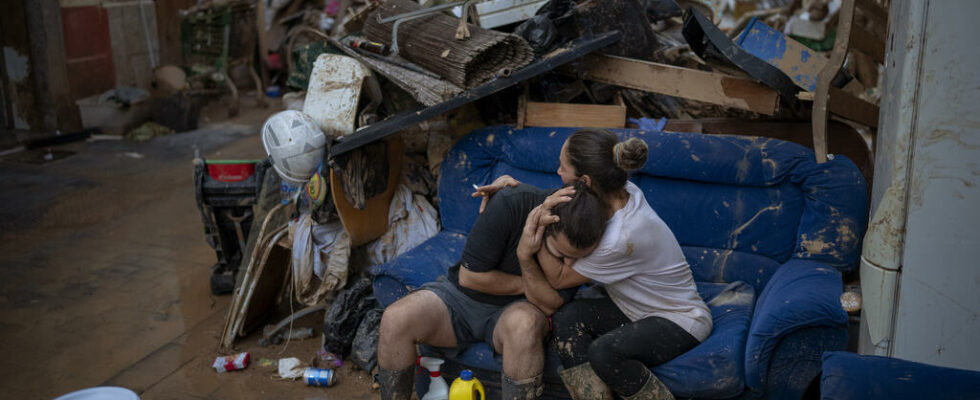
{"x":438,"y":389}
{"x":466,"y":387}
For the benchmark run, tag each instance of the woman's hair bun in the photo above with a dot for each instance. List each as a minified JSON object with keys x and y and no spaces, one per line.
{"x":630,"y":155}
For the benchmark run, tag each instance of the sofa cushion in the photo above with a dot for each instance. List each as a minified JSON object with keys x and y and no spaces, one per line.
{"x":420,"y":265}
{"x":726,"y":265}
{"x":715,"y":368}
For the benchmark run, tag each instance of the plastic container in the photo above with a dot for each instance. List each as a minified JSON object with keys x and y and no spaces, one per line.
{"x":231,"y":170}
{"x":466,"y":387}
{"x":110,"y":117}
{"x":101,"y":393}
{"x":438,"y":389}
{"x":319,"y":377}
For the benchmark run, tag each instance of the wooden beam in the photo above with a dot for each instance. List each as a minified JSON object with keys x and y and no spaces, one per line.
{"x":852,"y":107}
{"x":168,"y":29}
{"x":867,"y":43}
{"x":575,"y":115}
{"x":709,"y":87}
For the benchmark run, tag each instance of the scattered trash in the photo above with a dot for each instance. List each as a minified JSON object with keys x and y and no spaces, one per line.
{"x":345,"y":315}
{"x":330,"y":359}
{"x":231,"y":363}
{"x":319,"y":377}
{"x":268,"y":363}
{"x":290,"y":368}
{"x":148,"y":131}
{"x":133,"y":154}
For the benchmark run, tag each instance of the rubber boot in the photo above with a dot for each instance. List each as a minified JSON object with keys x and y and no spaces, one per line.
{"x":583,"y":384}
{"x":525,"y":389}
{"x":396,"y":385}
{"x":653,"y":389}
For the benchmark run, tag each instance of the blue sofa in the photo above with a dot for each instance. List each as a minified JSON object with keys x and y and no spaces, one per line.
{"x":853,"y":377}
{"x":767,"y":232}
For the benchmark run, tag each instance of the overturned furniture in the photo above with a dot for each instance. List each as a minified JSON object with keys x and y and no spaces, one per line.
{"x":766,"y":229}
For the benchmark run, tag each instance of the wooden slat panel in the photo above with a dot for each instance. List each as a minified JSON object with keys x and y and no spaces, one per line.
{"x":710,"y":87}
{"x":575,"y":115}
{"x":867,"y":43}
{"x":852,"y":108}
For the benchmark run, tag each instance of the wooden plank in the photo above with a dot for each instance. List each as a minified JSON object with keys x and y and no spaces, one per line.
{"x":867,"y":43}
{"x":709,"y":87}
{"x":572,"y":51}
{"x":370,"y":223}
{"x":168,"y":29}
{"x":575,"y":115}
{"x":852,"y":107}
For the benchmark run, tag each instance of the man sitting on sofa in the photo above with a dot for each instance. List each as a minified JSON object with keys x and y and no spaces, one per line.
{"x":497,"y":292}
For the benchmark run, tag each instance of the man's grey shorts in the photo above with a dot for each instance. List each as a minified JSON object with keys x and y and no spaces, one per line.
{"x":473,"y":321}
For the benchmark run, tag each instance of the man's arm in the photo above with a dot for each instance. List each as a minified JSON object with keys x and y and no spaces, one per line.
{"x":493,"y":282}
{"x":559,"y":275}
{"x":537,"y":289}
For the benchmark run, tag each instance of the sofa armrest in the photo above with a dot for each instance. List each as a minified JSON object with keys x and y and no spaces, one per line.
{"x":415,"y":267}
{"x":801,"y":294}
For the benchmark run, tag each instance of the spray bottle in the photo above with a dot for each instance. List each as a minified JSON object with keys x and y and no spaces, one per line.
{"x":438,"y":389}
{"x":466,"y":387}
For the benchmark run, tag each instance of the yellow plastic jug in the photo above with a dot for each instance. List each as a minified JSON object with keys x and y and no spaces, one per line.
{"x":466,"y":387}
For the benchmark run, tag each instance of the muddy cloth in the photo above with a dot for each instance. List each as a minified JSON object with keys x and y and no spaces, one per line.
{"x":596,"y":331}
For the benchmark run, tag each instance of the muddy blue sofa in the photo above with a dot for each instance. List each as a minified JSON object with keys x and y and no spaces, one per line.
{"x":767,"y":232}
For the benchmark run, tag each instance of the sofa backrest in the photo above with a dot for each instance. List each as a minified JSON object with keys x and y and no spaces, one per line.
{"x":739,"y":206}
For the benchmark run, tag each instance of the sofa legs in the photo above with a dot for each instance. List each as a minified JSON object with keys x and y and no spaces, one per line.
{"x":583,"y":384}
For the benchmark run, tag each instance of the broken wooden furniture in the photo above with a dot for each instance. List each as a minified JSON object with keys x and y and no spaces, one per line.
{"x":766,"y":230}
{"x":263,"y":280}
{"x":710,"y":87}
{"x":430,"y":41}
{"x":532,"y":113}
{"x":571,"y":51}
{"x":828,"y":99}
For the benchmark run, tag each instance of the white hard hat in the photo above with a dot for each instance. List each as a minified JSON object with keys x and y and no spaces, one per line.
{"x":295,"y":143}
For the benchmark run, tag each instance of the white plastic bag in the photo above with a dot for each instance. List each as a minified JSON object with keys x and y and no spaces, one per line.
{"x":411,"y":220}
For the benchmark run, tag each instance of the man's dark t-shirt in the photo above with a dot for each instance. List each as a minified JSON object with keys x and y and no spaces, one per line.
{"x":492,"y":243}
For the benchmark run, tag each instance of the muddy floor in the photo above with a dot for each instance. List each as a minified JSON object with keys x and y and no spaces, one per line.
{"x":104,"y":274}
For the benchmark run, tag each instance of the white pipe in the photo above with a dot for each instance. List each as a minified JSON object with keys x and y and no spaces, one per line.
{"x":146,"y":33}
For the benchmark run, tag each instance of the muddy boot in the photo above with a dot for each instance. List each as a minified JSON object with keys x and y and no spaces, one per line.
{"x":583,"y":384}
{"x":525,"y":389}
{"x":652,"y":390}
{"x":396,"y":385}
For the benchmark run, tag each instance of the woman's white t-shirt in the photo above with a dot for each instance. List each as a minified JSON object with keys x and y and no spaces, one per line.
{"x":644,"y":270}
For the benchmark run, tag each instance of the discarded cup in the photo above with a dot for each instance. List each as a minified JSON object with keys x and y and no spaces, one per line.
{"x":319,"y":377}
{"x":231,"y":363}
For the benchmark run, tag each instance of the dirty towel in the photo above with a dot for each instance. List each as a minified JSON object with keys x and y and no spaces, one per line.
{"x":320,"y":258}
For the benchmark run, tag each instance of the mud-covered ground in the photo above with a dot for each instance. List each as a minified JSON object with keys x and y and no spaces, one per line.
{"x":104,"y":274}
